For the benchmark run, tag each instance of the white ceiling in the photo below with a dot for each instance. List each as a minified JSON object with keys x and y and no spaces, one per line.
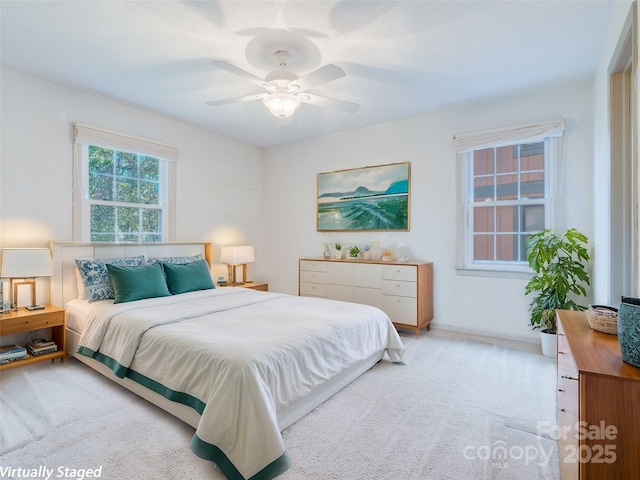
{"x":401,"y":58}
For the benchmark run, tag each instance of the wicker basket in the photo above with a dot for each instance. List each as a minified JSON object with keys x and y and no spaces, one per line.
{"x":603,"y":319}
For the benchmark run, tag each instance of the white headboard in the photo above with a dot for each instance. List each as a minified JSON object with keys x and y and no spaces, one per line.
{"x":63,"y":283}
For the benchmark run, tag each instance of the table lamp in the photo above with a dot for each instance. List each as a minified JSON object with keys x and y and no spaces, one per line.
{"x":26,"y":264}
{"x":235,"y":256}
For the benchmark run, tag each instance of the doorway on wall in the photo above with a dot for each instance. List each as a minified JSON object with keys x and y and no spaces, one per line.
{"x":624,"y":171}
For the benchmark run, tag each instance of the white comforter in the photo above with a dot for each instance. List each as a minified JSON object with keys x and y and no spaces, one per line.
{"x":237,"y":356}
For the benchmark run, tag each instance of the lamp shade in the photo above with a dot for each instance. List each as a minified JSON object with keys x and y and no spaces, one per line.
{"x":237,"y":255}
{"x":26,"y":263}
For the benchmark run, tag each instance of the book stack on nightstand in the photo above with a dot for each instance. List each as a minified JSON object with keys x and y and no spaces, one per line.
{"x":40,"y":347}
{"x":10,"y":353}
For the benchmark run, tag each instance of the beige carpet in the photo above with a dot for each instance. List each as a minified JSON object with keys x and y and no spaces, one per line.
{"x":460,"y":409}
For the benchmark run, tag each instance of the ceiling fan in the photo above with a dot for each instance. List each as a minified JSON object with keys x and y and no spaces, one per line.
{"x":285,"y":90}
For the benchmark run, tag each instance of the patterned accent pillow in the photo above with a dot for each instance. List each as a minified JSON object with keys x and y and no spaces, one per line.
{"x":176,"y":260}
{"x":95,"y":276}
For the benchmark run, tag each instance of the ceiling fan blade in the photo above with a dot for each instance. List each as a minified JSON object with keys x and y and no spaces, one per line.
{"x":229,"y":67}
{"x":247,"y":98}
{"x":341,"y":105}
{"x":322,"y":75}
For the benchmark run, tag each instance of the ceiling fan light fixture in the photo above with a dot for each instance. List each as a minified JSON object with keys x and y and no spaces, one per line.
{"x":282,"y":105}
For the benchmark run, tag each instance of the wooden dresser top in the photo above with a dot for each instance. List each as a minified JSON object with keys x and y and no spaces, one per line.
{"x":362,"y":260}
{"x":594,"y":352}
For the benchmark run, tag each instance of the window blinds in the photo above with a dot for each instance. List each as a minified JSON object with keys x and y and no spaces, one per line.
{"x":528,"y":133}
{"x":85,"y":135}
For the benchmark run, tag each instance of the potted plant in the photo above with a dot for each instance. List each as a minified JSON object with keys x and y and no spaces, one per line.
{"x":354,"y":251}
{"x":338,"y":250}
{"x":560,"y":279}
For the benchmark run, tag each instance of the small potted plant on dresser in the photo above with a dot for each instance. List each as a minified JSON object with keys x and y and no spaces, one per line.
{"x":559,"y":263}
{"x":338,"y":250}
{"x":354,"y":251}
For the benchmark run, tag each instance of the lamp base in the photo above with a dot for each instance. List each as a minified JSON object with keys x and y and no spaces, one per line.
{"x":34,"y":307}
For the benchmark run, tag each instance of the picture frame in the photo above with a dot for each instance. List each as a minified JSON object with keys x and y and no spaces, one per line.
{"x":371,"y":198}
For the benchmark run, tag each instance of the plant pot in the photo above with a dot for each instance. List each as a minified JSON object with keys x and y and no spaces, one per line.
{"x":629,"y":333}
{"x":549,"y":344}
{"x":337,"y":254}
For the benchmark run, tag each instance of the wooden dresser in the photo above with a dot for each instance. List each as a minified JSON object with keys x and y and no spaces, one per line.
{"x":598,"y":404}
{"x":403,"y":290}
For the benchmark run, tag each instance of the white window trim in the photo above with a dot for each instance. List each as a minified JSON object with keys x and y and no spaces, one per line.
{"x":466,"y":144}
{"x":85,"y":136}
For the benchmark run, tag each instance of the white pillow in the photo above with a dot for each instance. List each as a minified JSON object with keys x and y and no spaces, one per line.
{"x":82,"y":292}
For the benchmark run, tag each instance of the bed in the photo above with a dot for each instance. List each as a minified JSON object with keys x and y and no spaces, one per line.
{"x":236,"y":364}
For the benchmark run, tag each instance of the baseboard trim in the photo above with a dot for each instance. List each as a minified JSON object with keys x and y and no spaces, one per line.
{"x":530,"y":344}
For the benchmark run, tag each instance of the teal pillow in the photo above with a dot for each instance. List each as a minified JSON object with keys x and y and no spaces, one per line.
{"x":137,"y":283}
{"x":188,"y":277}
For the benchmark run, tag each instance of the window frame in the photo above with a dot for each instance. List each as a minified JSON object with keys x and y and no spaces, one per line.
{"x":466,"y":265}
{"x":86,"y":136}
{"x":163,"y":203}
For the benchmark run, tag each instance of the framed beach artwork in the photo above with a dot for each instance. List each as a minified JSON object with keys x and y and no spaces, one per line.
{"x":367,"y":198}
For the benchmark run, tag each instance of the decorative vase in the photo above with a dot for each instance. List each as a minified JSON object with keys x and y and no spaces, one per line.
{"x":327,"y":253}
{"x":366,"y":255}
{"x":629,"y":333}
{"x":337,"y":254}
{"x":376,"y":253}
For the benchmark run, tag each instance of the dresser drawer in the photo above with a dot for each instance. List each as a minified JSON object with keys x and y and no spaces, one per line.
{"x":310,"y":276}
{"x":369,"y":276}
{"x":313,"y":289}
{"x":399,"y":288}
{"x":340,"y":273}
{"x":566,"y":364}
{"x":402,"y":310}
{"x":35,"y":322}
{"x":313,"y":266}
{"x":340,"y":292}
{"x":399,"y":272}
{"x":368,"y":296}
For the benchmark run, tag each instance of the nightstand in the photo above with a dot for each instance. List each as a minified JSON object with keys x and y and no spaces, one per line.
{"x":264,"y":287}
{"x":26,"y":321}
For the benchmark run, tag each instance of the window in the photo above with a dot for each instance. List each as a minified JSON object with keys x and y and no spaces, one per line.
{"x":506,"y":196}
{"x":125,"y":196}
{"x":122,"y":193}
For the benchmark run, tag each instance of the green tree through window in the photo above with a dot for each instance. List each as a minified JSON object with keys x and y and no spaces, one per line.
{"x":125,"y":196}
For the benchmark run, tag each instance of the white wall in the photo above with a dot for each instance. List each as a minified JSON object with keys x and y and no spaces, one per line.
{"x":219,"y":180}
{"x":492,"y":306}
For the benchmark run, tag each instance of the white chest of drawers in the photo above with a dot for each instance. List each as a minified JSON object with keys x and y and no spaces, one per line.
{"x":404,"y":291}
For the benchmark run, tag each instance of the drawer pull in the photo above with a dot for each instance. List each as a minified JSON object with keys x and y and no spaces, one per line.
{"x":560,"y":390}
{"x":568,"y":377}
{"x":560,"y":353}
{"x":562,"y":410}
